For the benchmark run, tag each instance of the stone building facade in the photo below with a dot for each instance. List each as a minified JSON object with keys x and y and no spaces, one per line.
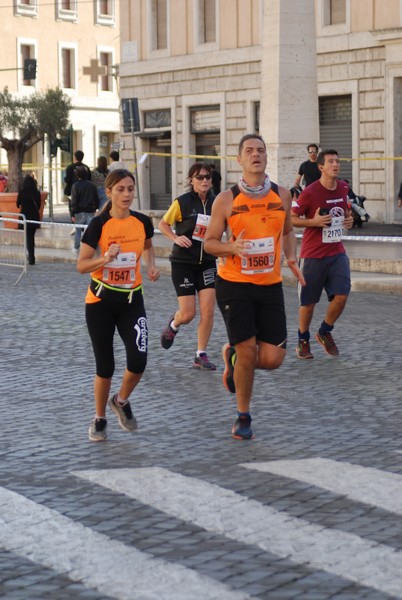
{"x":65,"y":37}
{"x":205,"y":72}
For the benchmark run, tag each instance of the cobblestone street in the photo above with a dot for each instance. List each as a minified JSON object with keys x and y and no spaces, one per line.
{"x":310,"y":509}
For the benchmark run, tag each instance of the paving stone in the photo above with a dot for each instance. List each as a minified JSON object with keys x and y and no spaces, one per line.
{"x":346,"y":410}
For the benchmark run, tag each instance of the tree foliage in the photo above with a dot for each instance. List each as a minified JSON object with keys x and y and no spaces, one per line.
{"x":25,"y":120}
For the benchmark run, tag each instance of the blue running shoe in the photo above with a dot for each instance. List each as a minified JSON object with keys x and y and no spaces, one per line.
{"x":228,"y":353}
{"x":241,"y":429}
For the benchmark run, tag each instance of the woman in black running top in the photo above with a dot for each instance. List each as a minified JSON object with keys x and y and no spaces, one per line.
{"x":193,"y":270}
{"x":111,"y":251}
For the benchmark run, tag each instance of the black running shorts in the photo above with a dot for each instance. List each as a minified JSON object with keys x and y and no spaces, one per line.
{"x":252,"y":310}
{"x":189,"y":279}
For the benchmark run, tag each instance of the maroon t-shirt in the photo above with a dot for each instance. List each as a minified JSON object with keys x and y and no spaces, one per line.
{"x":336,"y":201}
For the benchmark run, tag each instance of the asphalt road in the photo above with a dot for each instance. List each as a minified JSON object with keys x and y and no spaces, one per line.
{"x":310,"y":509}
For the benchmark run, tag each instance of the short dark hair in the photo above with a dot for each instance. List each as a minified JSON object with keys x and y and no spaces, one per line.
{"x":79,"y":155}
{"x":312,"y":146}
{"x":114,"y":155}
{"x":323,"y":154}
{"x":81,"y":173}
{"x":250,"y":136}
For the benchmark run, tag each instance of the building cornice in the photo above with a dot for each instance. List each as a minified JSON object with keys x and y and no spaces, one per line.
{"x":346,"y":42}
{"x":95,"y":103}
{"x":388,"y":36}
{"x":193,"y":61}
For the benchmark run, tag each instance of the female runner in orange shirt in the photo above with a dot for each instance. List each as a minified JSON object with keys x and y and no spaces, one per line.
{"x":111,"y":251}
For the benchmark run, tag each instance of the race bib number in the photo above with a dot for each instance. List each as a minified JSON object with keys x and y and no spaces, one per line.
{"x":259,"y":258}
{"x":120,"y":272}
{"x":200,"y":228}
{"x":333,"y":233}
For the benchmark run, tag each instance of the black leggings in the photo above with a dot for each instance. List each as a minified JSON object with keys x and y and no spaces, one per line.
{"x":31,"y":230}
{"x":130,"y":319}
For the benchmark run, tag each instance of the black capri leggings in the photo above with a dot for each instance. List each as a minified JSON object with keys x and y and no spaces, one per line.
{"x":130,"y":319}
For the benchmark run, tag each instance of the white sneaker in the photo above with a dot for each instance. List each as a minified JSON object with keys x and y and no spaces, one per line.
{"x":76,"y":250}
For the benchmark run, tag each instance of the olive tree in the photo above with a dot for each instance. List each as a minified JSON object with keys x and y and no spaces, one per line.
{"x":25,"y":120}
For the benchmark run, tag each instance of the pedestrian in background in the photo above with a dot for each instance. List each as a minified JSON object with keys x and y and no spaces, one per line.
{"x":71,"y":173}
{"x":116,"y":162}
{"x":71,"y":177}
{"x":98,"y":177}
{"x":322,"y":209}
{"x":193,"y":269}
{"x":255,"y":214}
{"x":216,"y":179}
{"x":400,"y":196}
{"x":111,"y":251}
{"x":3,"y":182}
{"x":84,"y":204}
{"x":28,"y":201}
{"x":308,"y":171}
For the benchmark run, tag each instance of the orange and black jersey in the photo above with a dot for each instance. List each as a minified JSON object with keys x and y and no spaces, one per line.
{"x":262,"y":221}
{"x":130,"y":233}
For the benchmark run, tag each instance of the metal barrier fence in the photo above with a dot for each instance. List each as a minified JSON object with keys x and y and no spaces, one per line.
{"x":13,"y":242}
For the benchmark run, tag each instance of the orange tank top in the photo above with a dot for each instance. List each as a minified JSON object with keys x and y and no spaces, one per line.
{"x":131,"y":232}
{"x":262,"y":221}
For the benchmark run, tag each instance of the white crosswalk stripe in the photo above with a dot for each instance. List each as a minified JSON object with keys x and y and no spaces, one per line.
{"x":248,"y":521}
{"x":47,"y":538}
{"x":363,"y":484}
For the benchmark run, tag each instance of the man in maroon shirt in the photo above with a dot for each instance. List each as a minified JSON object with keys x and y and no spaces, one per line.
{"x":322,"y":209}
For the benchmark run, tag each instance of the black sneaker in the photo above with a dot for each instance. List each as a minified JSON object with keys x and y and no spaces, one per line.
{"x":97,"y":430}
{"x":241,"y":429}
{"x":327,"y":342}
{"x":127,"y":421}
{"x":228,"y":352}
{"x":168,"y":335}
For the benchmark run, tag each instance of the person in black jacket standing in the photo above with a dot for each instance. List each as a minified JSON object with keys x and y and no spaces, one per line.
{"x":193,"y":270}
{"x":71,"y":172}
{"x":28,"y":200}
{"x":71,"y":175}
{"x":84,"y":204}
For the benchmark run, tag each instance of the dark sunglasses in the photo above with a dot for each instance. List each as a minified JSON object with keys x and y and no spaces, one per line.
{"x":201,"y":177}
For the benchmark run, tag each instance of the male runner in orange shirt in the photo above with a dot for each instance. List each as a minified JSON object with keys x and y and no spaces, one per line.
{"x":255,"y":214}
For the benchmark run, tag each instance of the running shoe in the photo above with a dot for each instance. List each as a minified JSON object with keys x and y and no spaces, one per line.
{"x":228,"y":353}
{"x":168,"y":335}
{"x":97,"y":430}
{"x":202,"y":362}
{"x":327,"y":342}
{"x":241,"y":429}
{"x":127,"y":421}
{"x":303,"y":349}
